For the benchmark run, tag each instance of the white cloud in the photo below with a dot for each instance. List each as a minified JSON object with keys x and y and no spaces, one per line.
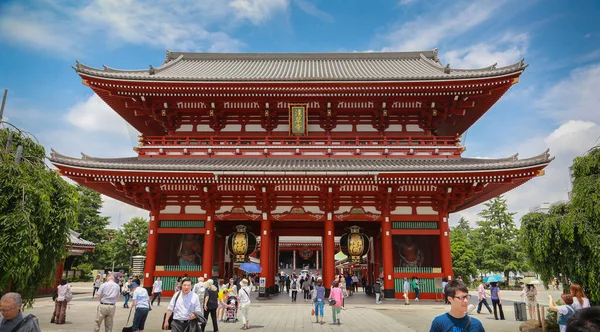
{"x":426,"y":32}
{"x":188,"y":25}
{"x":41,"y":30}
{"x":576,"y":97}
{"x":119,"y":212}
{"x":406,"y":2}
{"x":506,"y":51}
{"x":257,"y":11}
{"x":310,"y":9}
{"x":572,"y":101}
{"x":94,"y":115}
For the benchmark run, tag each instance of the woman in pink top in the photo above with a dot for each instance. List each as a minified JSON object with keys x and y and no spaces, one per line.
{"x":336,"y":294}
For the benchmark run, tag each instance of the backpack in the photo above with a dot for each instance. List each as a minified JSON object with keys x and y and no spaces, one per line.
{"x":294,"y":284}
{"x":530,"y":296}
{"x":562,"y":319}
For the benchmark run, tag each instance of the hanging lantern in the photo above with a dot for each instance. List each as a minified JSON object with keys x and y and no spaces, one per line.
{"x":241,"y":243}
{"x":306,"y":253}
{"x":354,"y":244}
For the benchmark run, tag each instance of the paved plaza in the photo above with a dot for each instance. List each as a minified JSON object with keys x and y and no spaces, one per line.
{"x":279,"y":314}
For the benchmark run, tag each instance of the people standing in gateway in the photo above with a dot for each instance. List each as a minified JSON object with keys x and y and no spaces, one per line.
{"x":295,"y":288}
{"x":496,"y":300}
{"x":377,"y":291}
{"x":211,"y":304}
{"x":319,"y":301}
{"x":142,"y":307}
{"x":245,"y":302}
{"x":457,"y":318}
{"x":200,"y":288}
{"x":306,"y":285}
{"x":65,"y":294}
{"x":12,"y":318}
{"x":417,"y":288}
{"x":406,"y":291}
{"x":337,"y":295}
{"x":108,"y":294}
{"x":156,"y":291}
{"x":126,"y":292}
{"x":183,"y":307}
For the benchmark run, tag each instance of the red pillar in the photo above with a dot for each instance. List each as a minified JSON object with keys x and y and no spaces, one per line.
{"x":377,"y":256}
{"x":328,"y":253}
{"x":388,"y":264}
{"x":265,"y":257}
{"x":209,"y":241}
{"x":446,"y":254}
{"x":152,"y":249}
{"x":221,"y":255}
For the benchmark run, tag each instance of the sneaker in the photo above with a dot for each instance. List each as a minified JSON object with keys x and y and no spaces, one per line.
{"x":417,"y":299}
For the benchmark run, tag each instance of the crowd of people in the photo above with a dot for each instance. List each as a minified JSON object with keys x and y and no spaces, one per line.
{"x":194,"y":303}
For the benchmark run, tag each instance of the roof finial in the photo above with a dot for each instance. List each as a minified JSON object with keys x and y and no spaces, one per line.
{"x":151,"y":71}
{"x":447,"y":69}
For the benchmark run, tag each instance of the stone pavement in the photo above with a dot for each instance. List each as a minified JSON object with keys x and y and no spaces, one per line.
{"x":279,"y":314}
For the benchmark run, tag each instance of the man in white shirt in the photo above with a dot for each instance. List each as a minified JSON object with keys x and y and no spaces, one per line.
{"x":184,"y":307}
{"x":200,"y":289}
{"x":108,"y":294}
{"x":156,"y":290}
{"x":482,"y":294}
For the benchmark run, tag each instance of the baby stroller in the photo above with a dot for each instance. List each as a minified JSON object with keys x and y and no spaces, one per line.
{"x":231,"y":309}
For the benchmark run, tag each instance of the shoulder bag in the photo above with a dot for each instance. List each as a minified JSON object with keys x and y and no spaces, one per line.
{"x":170,"y":318}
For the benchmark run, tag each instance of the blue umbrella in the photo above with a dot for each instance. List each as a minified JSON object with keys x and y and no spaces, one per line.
{"x":250,"y":267}
{"x":495,"y":278}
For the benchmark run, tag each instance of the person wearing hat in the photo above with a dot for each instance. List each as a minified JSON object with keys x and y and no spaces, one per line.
{"x":244,"y":295}
{"x":141,"y":304}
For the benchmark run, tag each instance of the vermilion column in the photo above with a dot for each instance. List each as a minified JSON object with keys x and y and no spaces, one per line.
{"x":446,"y":254}
{"x":209,"y":242}
{"x":387,"y":251}
{"x":151,"y":250}
{"x":328,"y":253}
{"x":221,"y":256}
{"x":265,"y":246}
{"x":377,"y":256}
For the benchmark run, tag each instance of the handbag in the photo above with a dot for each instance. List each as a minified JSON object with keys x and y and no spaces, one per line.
{"x":312,"y":312}
{"x":171,"y":317}
{"x":130,"y":328}
{"x":194,"y":325}
{"x":332,"y":301}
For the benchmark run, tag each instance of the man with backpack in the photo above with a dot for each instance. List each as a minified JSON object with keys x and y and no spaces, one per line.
{"x":377,"y":291}
{"x":12,"y":317}
{"x":200,"y":288}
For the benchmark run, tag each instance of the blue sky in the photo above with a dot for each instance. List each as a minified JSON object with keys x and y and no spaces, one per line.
{"x":555,"y":105}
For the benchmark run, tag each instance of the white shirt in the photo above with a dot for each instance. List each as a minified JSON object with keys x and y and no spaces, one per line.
{"x":186,"y":304}
{"x":577,"y":306}
{"x":140,"y":295}
{"x":64,"y":291}
{"x":157,"y":286}
{"x":110,"y":292}
{"x":245,"y":294}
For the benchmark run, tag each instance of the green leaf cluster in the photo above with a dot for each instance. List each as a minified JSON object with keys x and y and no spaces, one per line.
{"x":564,"y":242}
{"x":463,"y":256}
{"x":37,"y":208}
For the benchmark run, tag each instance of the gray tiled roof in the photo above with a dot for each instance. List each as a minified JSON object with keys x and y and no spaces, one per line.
{"x":75,"y":240}
{"x":356,"y":66}
{"x":298,"y":165}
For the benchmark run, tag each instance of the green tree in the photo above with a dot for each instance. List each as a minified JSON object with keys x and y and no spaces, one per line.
{"x":91,"y":225}
{"x":36,"y":211}
{"x":497,"y":238}
{"x":131,"y":240}
{"x":546,"y":242}
{"x":583,"y":226}
{"x":463,"y":256}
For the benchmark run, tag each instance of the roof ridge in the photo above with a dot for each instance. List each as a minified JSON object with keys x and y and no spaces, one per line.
{"x":171,"y":55}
